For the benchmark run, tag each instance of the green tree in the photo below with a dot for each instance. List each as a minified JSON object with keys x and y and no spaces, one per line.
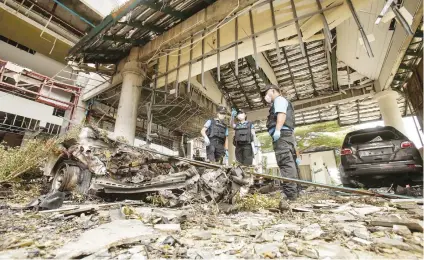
{"x":328,"y":134}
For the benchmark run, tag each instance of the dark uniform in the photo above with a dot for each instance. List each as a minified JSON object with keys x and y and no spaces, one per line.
{"x":284,"y":147}
{"x":243,"y":142}
{"x":216,"y":132}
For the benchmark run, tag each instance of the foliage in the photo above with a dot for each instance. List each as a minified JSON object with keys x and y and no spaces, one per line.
{"x":18,"y":160}
{"x":266,"y":142}
{"x":157,"y":200}
{"x":256,"y":201}
{"x":328,"y":134}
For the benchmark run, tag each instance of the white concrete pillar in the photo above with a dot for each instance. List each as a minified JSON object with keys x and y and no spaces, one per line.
{"x":387,"y":101}
{"x":133,"y":74}
{"x":231,"y":147}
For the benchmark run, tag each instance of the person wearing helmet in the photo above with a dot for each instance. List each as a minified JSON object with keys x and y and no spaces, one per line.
{"x":244,"y":137}
{"x":215,"y":134}
{"x":280,"y":125}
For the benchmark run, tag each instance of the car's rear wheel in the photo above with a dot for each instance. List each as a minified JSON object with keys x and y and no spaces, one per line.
{"x":346,"y":181}
{"x":70,"y":176}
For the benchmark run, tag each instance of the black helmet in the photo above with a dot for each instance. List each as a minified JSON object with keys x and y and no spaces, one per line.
{"x":222,"y":110}
{"x":268,"y":87}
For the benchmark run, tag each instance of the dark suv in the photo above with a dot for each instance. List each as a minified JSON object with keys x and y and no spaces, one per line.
{"x":378,"y":157}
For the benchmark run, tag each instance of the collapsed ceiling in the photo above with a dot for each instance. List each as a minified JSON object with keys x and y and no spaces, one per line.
{"x":143,"y":21}
{"x":302,"y":73}
{"x":302,"y":77}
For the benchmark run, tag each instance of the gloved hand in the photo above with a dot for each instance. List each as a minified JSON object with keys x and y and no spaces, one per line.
{"x":207,"y":141}
{"x":298,"y":161}
{"x":233,"y":112}
{"x":254,"y":149}
{"x":276,"y":136}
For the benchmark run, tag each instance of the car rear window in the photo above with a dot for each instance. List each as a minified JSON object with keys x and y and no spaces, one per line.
{"x":378,"y":136}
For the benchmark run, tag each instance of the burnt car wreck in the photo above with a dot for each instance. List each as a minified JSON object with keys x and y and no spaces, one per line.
{"x":96,"y":164}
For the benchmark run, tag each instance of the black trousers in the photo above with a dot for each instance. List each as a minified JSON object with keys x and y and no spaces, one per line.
{"x":244,"y":154}
{"x":284,"y":149}
{"x":215,"y":151}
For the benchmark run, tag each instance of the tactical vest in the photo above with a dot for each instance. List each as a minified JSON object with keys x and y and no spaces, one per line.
{"x":217,"y":129}
{"x":243,"y":133}
{"x":272,"y":117}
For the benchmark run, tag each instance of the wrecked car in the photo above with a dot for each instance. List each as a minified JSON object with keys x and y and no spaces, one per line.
{"x":380,"y":153}
{"x":96,"y":164}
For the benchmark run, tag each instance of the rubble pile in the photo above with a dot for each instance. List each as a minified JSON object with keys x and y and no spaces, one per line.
{"x":98,"y":165}
{"x":320,"y":225}
{"x":186,"y":210}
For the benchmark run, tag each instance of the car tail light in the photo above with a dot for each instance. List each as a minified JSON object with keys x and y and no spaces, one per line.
{"x":346,"y":151}
{"x":406,"y":144}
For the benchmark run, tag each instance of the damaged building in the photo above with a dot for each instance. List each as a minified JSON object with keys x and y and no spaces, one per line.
{"x":137,"y":80}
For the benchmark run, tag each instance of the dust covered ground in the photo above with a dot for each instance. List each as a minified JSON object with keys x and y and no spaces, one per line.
{"x":320,"y":225}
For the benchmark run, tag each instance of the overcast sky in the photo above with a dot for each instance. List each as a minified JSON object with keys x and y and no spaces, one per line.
{"x":103,"y":7}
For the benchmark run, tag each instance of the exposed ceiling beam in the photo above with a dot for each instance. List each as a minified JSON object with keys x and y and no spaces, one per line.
{"x":122,"y":39}
{"x":299,"y":59}
{"x":240,"y":85}
{"x":147,"y":26}
{"x":268,"y":71}
{"x":290,"y":72}
{"x":310,"y":71}
{"x":285,"y":24}
{"x":162,"y":7}
{"x":105,"y":52}
{"x":322,"y":101}
{"x":333,"y":67}
{"x":250,"y":64}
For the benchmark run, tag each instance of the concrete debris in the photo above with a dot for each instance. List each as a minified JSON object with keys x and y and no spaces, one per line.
{"x":287,"y":227}
{"x":401,"y":201}
{"x":334,"y":251}
{"x":310,"y":252}
{"x":168,"y":227}
{"x":268,"y":250}
{"x":402,"y":230}
{"x":362,"y":233}
{"x":202,"y":235}
{"x":364,"y":211}
{"x":323,"y":205}
{"x":386,"y":242}
{"x":270,"y":236}
{"x":311,"y":232}
{"x":362,"y":242}
{"x":389,"y":221}
{"x":98,"y":238}
{"x":135,"y":230}
{"x":295,"y":247}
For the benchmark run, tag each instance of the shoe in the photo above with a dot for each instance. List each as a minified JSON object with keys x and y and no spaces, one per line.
{"x":293,"y":197}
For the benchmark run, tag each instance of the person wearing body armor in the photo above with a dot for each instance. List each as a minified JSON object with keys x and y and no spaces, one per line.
{"x":215,"y":134}
{"x":244,"y":138}
{"x":280,"y":125}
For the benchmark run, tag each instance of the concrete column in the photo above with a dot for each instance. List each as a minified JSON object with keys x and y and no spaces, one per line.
{"x":387,"y":101}
{"x":133,"y":74}
{"x":231,"y":147}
